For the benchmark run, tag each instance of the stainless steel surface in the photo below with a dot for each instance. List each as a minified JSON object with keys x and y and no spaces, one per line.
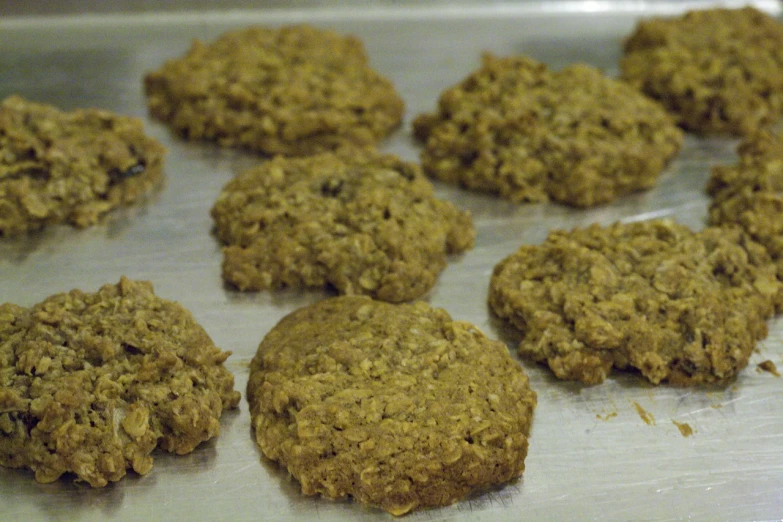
{"x":60,"y":7}
{"x":591,"y":455}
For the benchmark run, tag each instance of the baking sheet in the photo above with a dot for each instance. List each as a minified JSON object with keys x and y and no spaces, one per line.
{"x":607,"y":452}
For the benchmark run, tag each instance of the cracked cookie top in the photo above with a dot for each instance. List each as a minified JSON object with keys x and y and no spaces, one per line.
{"x":397,"y":406}
{"x":92,"y":383}
{"x":359,"y":221}
{"x":574,"y":136}
{"x":70,"y":167}
{"x":750,"y":192}
{"x":716,"y":70}
{"x":295,"y":90}
{"x":678,"y":306}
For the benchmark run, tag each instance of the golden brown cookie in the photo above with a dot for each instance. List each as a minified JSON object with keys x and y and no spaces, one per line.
{"x":90,"y":384}
{"x":679,"y":306}
{"x":294,"y":90}
{"x":397,"y":406}
{"x":574,"y":136}
{"x":359,"y":221}
{"x":750,"y":193}
{"x":717,"y":70}
{"x":70,"y":167}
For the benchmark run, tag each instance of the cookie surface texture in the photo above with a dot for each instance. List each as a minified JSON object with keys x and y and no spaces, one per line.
{"x":397,"y":406}
{"x":70,"y":167}
{"x":678,"y":306}
{"x":574,"y":136}
{"x":295,"y":90}
{"x":717,"y":70}
{"x":750,"y":193}
{"x":92,"y":383}
{"x":360,"y":222}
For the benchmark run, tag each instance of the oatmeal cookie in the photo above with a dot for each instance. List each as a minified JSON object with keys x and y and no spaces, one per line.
{"x":358,"y":221}
{"x":397,"y":406}
{"x":680,"y":306}
{"x":750,"y":193}
{"x":90,"y":384}
{"x":717,"y":70}
{"x":574,"y":136}
{"x":70,"y":166}
{"x":295,"y":90}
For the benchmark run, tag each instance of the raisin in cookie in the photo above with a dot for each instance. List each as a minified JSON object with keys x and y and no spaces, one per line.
{"x":750,"y":193}
{"x":70,"y":166}
{"x":295,"y":90}
{"x":90,"y":384}
{"x":679,"y":306}
{"x":574,"y":136}
{"x":397,"y":406}
{"x":717,"y":70}
{"x":358,"y":221}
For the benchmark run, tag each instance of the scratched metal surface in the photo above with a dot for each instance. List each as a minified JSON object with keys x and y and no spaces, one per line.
{"x":592,"y":454}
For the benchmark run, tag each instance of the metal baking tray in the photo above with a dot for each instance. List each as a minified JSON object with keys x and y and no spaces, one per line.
{"x":607,"y":452}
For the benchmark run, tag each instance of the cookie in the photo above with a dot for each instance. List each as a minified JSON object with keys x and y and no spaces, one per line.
{"x":295,"y":90}
{"x":359,"y":222}
{"x":515,"y":128}
{"x":750,"y":193}
{"x":678,"y":306}
{"x":717,"y":70}
{"x":397,"y":406}
{"x":92,"y":383}
{"x":70,"y":167}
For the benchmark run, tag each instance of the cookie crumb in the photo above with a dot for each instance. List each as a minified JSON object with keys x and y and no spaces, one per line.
{"x":769,"y":367}
{"x":645,"y":415}
{"x":684,"y":427}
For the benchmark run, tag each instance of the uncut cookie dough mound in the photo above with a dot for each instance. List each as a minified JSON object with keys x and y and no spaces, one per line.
{"x":397,"y":406}
{"x":750,"y":193}
{"x":90,"y":384}
{"x":70,"y":167}
{"x":717,"y":70}
{"x":574,"y":136}
{"x":358,"y":221}
{"x":294,"y":90}
{"x":679,"y":306}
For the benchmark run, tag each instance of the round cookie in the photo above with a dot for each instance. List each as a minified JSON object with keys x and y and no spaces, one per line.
{"x":70,"y":166}
{"x":679,"y":306}
{"x":357,"y":221}
{"x":574,"y":136}
{"x":294,"y":90}
{"x":717,"y":70}
{"x":397,"y":406}
{"x":750,"y":193}
{"x":91,"y":384}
